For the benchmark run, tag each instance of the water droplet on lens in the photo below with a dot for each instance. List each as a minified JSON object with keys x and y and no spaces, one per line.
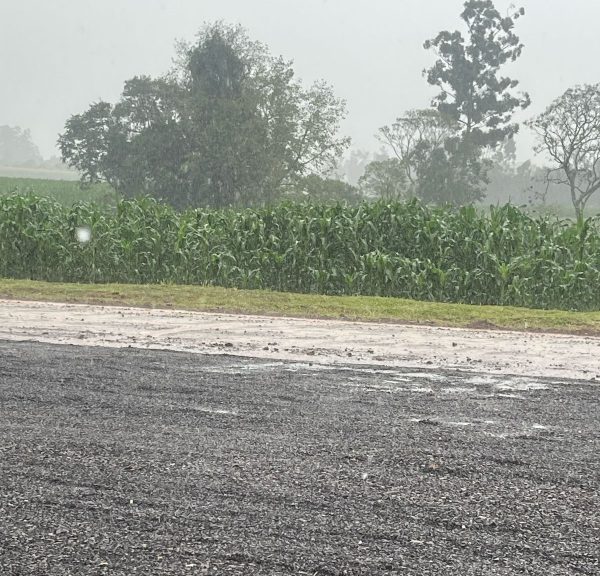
{"x":83,"y":234}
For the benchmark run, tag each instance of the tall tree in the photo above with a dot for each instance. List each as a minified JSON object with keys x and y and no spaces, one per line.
{"x":473,"y":94}
{"x":230,"y":124}
{"x":569,"y":132}
{"x":467,"y":74}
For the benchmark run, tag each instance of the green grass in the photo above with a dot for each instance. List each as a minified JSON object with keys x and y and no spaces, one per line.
{"x":65,"y":192}
{"x":356,"y":308}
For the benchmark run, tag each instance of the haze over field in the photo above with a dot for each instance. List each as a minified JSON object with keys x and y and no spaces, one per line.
{"x":57,"y":57}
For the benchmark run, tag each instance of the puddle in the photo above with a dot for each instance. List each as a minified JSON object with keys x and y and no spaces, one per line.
{"x":520,"y":385}
{"x":503,"y":383}
{"x":218,"y":411}
{"x":481,"y":380}
{"x":389,"y":386}
{"x":239,"y":368}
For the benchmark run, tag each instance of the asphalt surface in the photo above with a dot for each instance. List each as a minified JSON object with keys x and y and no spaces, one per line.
{"x":124,"y":461}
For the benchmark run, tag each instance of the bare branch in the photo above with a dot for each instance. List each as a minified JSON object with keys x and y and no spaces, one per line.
{"x":569,"y":131}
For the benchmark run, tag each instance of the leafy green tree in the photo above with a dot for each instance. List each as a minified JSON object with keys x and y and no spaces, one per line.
{"x":230,"y":124}
{"x":569,"y":132}
{"x":467,"y":74}
{"x":473,"y":94}
{"x":385,"y":179}
{"x":435,"y":170}
{"x":455,"y":178}
{"x":412,"y":138}
{"x":324,"y":189}
{"x":17,"y":148}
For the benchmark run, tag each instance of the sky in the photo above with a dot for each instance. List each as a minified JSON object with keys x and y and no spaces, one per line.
{"x":59,"y":56}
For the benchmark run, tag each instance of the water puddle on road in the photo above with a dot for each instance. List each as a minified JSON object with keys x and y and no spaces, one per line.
{"x":504,"y":384}
{"x":394,"y":380}
{"x":520,"y":385}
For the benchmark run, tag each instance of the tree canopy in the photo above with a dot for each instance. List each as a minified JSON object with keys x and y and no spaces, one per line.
{"x":413,"y":137}
{"x":230,"y":124}
{"x":569,"y":132}
{"x":385,"y":179}
{"x":434,"y":168}
{"x":467,"y":74}
{"x":474,"y":98}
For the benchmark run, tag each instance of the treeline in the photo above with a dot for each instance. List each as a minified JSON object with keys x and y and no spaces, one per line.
{"x":231,"y":125}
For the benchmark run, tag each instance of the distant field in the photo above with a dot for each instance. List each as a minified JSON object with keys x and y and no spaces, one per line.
{"x":39,"y":173}
{"x":66,"y":192}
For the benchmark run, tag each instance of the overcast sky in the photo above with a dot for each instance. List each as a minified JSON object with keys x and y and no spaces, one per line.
{"x":58,"y":56}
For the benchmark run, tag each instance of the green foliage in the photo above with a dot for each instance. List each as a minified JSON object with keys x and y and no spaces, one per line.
{"x":385,"y":179}
{"x":315,"y":188}
{"x":388,"y":249}
{"x":413,"y":137}
{"x":471,"y":92}
{"x":434,"y":162}
{"x":230,"y":125}
{"x":455,"y":178}
{"x":474,"y":97}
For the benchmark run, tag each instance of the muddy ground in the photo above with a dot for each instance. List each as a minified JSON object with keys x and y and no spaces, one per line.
{"x":302,"y":339}
{"x":129,"y":461}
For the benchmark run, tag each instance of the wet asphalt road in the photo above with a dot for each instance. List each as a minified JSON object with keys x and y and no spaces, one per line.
{"x":144,"y":462}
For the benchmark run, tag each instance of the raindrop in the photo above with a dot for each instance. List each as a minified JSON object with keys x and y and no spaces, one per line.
{"x":83,"y":234}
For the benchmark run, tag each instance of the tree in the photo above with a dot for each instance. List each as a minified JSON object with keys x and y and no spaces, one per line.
{"x":385,"y":179}
{"x":449,"y":177}
{"x":413,"y":137}
{"x":435,"y":170}
{"x":569,"y":131}
{"x":471,"y":92}
{"x":323,"y":189}
{"x":17,"y":148}
{"x":230,"y":124}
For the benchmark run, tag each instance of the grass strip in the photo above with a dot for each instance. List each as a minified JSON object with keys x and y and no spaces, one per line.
{"x":355,"y":308}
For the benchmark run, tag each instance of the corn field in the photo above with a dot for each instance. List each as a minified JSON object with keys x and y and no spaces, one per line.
{"x":400,"y":249}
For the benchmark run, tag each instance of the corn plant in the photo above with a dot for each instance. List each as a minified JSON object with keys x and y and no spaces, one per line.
{"x":388,"y":249}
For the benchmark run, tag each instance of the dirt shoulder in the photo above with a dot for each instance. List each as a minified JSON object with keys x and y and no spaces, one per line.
{"x":318,"y":341}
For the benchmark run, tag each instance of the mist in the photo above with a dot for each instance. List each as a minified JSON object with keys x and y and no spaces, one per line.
{"x":58,"y":57}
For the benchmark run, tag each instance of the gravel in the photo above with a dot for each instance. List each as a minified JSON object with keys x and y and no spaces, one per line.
{"x":124,"y":461}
